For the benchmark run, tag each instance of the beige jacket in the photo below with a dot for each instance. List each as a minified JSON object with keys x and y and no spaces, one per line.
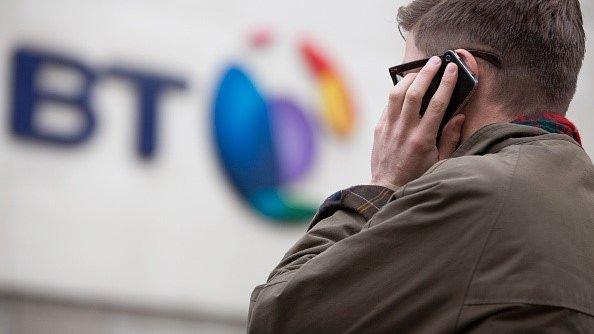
{"x":497,"y":239}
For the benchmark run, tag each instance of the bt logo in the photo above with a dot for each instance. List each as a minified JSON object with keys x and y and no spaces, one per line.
{"x":264,"y":142}
{"x":267,"y":142}
{"x":28,"y":96}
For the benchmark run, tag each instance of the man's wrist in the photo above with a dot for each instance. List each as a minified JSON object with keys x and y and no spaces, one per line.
{"x":365,"y":200}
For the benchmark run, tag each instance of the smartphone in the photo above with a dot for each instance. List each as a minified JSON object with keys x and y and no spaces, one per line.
{"x":465,"y":87}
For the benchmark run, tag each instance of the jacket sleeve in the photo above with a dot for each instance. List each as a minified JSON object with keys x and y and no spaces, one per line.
{"x":340,"y":216}
{"x":406,"y":269}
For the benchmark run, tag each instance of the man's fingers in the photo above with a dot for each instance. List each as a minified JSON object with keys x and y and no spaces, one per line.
{"x":397,"y":97}
{"x":450,"y":137}
{"x":440,"y":101}
{"x":414,"y":96}
{"x":392,"y":111}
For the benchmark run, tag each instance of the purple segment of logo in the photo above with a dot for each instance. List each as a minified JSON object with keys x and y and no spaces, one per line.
{"x":293,"y":138}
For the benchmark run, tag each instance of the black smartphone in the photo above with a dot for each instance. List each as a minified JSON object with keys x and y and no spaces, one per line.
{"x":465,"y":87}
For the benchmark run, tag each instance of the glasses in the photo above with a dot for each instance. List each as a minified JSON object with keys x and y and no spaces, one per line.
{"x":397,"y":72}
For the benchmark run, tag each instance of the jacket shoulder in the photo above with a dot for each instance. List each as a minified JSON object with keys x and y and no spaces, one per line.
{"x":489,"y":174}
{"x":537,"y":250}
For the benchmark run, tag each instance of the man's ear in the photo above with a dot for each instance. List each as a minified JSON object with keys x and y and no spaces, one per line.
{"x":470,"y":61}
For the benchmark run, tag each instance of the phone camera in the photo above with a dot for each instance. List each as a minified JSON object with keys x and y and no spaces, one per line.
{"x":448,"y":58}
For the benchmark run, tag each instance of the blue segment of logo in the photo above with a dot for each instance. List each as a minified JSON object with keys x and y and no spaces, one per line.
{"x":248,"y":140}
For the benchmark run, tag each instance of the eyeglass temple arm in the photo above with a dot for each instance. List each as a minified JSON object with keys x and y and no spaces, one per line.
{"x":408,"y":66}
{"x":488,"y":56}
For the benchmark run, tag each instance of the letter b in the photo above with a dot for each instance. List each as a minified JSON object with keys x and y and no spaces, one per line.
{"x":27,"y":97}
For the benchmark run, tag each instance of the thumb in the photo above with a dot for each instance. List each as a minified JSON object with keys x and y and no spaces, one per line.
{"x":451,"y":137}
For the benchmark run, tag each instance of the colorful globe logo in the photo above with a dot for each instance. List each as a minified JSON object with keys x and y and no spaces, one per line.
{"x":266,"y":143}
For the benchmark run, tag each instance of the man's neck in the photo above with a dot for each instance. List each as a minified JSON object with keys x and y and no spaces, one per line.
{"x":477,"y":119}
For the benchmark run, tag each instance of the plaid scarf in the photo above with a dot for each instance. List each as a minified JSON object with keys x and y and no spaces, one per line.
{"x":554,"y":123}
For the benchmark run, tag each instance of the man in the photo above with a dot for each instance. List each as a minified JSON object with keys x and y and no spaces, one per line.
{"x":493,"y":236}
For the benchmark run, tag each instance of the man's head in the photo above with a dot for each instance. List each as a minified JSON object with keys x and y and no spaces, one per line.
{"x":541,"y":44}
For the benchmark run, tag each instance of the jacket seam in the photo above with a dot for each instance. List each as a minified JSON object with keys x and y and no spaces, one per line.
{"x":566,"y":306}
{"x":272,"y":284}
{"x":496,"y":148}
{"x":284,"y":271}
{"x":503,"y":200}
{"x":264,"y":287}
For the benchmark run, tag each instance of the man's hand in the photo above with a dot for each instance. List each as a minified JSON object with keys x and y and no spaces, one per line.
{"x":404,"y":145}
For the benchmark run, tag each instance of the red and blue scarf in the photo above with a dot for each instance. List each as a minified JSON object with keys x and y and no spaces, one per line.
{"x":554,"y":123}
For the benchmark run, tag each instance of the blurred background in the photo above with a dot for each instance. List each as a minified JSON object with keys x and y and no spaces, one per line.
{"x":132,"y":133}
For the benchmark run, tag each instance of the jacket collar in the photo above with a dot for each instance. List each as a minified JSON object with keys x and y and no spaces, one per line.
{"x":494,"y":137}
